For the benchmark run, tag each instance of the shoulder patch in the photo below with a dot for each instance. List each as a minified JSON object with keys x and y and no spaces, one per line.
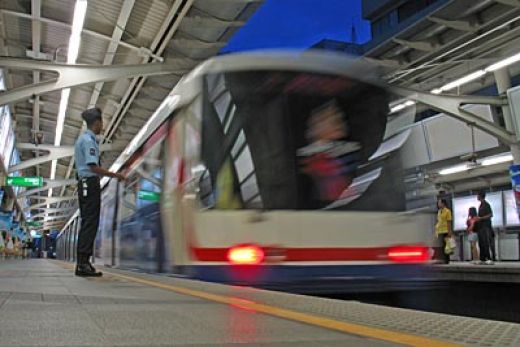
{"x":92,"y":151}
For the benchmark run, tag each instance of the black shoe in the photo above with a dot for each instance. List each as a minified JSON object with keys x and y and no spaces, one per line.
{"x":84,"y":270}
{"x":92,"y":268}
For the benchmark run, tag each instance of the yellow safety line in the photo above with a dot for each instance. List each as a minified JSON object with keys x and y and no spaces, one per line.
{"x":349,"y":328}
{"x":328,"y":323}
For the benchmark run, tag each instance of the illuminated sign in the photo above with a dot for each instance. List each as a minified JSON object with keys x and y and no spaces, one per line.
{"x":148,"y":195}
{"x":19,"y":181}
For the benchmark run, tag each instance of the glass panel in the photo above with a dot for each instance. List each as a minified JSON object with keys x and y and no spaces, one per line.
{"x":294,"y":140}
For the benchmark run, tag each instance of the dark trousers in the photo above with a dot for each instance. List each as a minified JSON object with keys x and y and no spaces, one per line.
{"x":492,"y":244}
{"x":483,"y":233}
{"x":89,"y":195}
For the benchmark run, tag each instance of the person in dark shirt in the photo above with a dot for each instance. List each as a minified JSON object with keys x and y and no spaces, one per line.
{"x":331,"y":158}
{"x":484,"y":229}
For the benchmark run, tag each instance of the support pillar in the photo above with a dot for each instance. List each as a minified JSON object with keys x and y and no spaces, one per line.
{"x":503,"y":83}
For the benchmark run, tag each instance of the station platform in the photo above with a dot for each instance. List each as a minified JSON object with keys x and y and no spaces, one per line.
{"x":43,"y":304}
{"x":499,"y":272}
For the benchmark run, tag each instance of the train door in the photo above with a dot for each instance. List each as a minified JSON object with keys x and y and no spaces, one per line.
{"x":108,"y":223}
{"x":178,"y":200}
{"x":140,"y":232}
{"x":171,"y":214}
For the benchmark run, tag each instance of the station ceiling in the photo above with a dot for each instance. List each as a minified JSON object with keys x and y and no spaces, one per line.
{"x":114,"y":32}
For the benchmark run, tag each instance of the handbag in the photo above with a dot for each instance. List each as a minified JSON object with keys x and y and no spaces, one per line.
{"x":450,"y":246}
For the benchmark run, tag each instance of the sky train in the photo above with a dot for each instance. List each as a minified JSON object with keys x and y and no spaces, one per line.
{"x":249,"y":172}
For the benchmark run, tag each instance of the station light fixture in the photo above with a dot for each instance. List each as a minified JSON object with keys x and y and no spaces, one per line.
{"x":488,"y":161}
{"x":499,"y":159}
{"x":454,"y":169}
{"x":463,"y":80}
{"x":503,"y":63}
{"x":80,"y":10}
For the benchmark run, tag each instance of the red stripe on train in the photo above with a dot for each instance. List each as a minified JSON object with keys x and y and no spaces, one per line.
{"x":303,"y":254}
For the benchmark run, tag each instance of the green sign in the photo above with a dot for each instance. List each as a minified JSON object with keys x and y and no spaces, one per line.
{"x":19,"y":181}
{"x":148,"y":195}
{"x":34,"y":224}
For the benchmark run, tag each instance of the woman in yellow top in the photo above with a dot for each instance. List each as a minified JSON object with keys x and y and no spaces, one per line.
{"x":443,"y":228}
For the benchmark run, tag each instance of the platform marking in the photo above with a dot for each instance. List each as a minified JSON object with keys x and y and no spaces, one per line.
{"x":324,"y":322}
{"x":315,"y":320}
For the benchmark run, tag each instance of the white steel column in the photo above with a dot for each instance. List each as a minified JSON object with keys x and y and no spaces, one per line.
{"x":36,"y":45}
{"x":503,"y":83}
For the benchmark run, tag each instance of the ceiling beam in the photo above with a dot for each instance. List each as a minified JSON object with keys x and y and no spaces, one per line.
{"x":512,"y":3}
{"x":464,"y":43}
{"x":55,"y":152}
{"x":77,"y":75}
{"x":469,"y":25}
{"x":48,"y":202}
{"x":36,"y":46}
{"x":48,"y":184}
{"x":51,"y":200}
{"x":452,"y":105}
{"x":124,"y":15}
{"x":159,"y":44}
{"x":138,"y":50}
{"x":425,"y":46}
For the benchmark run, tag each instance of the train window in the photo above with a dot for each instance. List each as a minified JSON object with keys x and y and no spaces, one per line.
{"x":286,"y":140}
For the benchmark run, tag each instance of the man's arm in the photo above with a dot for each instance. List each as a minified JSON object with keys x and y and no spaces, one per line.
{"x":104,"y":172}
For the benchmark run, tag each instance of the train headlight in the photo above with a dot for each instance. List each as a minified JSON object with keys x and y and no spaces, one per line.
{"x":245,"y":255}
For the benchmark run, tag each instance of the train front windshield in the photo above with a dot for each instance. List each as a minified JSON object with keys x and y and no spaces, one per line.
{"x":286,"y":140}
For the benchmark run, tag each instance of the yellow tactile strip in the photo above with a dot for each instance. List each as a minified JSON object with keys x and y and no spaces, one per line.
{"x":315,"y":320}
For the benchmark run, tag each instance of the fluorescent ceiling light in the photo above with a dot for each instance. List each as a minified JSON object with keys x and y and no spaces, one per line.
{"x":504,"y":158}
{"x":397,"y":108}
{"x":503,"y":63}
{"x":436,"y":91}
{"x":65,"y":94}
{"x":80,"y":10}
{"x":454,"y":169}
{"x":463,"y":80}
{"x":77,"y":26}
{"x":401,"y":106}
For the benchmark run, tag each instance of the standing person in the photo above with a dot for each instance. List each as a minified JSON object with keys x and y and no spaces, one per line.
{"x":443,"y":229}
{"x":2,"y":245}
{"x":86,"y":155}
{"x":484,"y":228}
{"x":472,"y":233}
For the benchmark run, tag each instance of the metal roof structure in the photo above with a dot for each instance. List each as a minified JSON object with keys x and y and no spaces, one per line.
{"x":444,"y":42}
{"x":115,"y":32}
{"x":452,"y":38}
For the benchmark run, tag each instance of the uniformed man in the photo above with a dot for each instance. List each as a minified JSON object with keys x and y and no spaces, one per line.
{"x":86,"y":155}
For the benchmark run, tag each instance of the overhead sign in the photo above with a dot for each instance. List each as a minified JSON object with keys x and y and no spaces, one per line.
{"x":20,"y":181}
{"x":148,"y":195}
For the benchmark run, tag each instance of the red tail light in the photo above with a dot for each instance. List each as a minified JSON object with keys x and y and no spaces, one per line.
{"x":409,"y":254}
{"x":245,"y":255}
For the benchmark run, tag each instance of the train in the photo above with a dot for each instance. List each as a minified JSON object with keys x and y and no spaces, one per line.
{"x":246,"y":175}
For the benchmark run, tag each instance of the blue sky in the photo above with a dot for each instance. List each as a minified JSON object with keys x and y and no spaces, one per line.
{"x":300,"y":24}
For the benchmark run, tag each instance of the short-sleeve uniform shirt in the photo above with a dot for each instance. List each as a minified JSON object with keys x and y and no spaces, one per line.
{"x":86,"y":152}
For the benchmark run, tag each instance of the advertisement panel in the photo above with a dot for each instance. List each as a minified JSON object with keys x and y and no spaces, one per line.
{"x":512,"y":218}
{"x":461,"y":206}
